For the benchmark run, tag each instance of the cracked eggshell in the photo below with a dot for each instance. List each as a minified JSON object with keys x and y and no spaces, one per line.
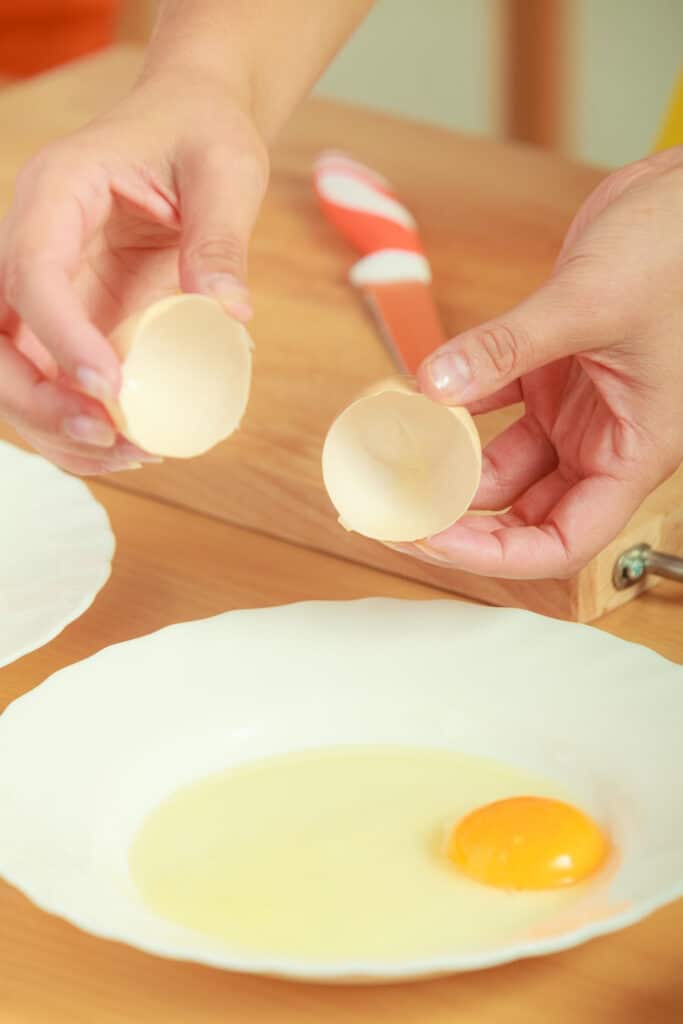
{"x":186,"y":369}
{"x":399,"y":467}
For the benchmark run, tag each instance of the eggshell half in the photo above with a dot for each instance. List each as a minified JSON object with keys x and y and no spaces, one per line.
{"x":186,"y":368}
{"x":400,"y":467}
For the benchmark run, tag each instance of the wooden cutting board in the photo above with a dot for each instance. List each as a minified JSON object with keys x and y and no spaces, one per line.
{"x":492,"y":217}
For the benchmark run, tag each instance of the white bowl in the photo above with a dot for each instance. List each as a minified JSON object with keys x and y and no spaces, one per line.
{"x":55,"y":552}
{"x":85,"y":756}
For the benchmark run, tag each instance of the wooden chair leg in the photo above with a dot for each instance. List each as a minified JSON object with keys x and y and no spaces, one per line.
{"x":535,"y":81}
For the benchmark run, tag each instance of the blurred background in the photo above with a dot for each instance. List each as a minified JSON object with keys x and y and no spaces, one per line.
{"x":589,"y":78}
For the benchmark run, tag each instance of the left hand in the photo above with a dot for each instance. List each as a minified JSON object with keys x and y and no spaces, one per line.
{"x":596,"y":355}
{"x":156,"y":196}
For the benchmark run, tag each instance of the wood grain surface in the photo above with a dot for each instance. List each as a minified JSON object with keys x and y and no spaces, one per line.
{"x":316,"y":348}
{"x":172,"y":564}
{"x":492,"y":218}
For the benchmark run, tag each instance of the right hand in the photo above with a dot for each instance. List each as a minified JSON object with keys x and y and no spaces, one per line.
{"x":595,"y":355}
{"x":158,"y":195}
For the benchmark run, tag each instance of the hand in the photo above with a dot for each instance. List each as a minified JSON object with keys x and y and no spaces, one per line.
{"x":158,"y":195}
{"x":596,"y":355}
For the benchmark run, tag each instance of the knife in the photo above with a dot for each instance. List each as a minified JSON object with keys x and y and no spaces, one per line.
{"x":393,"y":274}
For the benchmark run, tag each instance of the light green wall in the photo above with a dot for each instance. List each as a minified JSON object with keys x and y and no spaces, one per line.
{"x":437,"y":60}
{"x":627,"y":55}
{"x":428,"y":59}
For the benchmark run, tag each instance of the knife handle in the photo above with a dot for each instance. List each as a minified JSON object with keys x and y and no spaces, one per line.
{"x":362,"y":206}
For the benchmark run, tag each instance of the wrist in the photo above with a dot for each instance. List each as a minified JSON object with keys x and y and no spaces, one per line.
{"x":180,"y":76}
{"x":174,"y":102}
{"x":197,"y":48}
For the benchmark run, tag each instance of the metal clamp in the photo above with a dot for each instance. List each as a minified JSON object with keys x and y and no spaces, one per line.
{"x":634,"y":564}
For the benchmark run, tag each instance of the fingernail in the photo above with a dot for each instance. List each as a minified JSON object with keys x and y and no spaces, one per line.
{"x":225,"y":286}
{"x":117,"y":467}
{"x":149,"y":459}
{"x":118,"y":463}
{"x":90,"y":430}
{"x":128,"y":450}
{"x":231,"y":292}
{"x":95,"y":384}
{"x":449,"y":374}
{"x":240,"y":310}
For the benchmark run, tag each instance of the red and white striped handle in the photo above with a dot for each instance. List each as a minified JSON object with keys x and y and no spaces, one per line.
{"x":393,"y":273}
{"x":362,"y":206}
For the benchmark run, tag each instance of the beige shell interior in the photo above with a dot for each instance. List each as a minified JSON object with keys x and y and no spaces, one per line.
{"x":186,"y":376}
{"x":400,"y":467}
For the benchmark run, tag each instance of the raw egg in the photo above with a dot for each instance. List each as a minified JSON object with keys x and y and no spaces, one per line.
{"x":335,"y":853}
{"x":527,"y":842}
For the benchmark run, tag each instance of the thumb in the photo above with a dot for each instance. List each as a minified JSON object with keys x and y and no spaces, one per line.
{"x":479,"y":362}
{"x":220,"y":194}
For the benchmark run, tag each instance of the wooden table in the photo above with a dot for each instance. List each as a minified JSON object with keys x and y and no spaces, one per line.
{"x":176,"y":563}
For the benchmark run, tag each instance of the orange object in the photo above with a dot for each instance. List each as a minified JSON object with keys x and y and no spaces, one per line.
{"x":39,"y":34}
{"x":527,"y":842}
{"x":394,"y":274}
{"x":408,"y":320}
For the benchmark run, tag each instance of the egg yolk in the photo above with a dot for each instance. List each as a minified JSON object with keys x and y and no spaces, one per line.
{"x":527,"y":842}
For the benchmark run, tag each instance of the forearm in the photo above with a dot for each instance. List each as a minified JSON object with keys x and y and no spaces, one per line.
{"x":266,"y":53}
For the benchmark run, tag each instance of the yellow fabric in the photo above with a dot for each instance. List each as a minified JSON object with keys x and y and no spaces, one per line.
{"x":671,"y":133}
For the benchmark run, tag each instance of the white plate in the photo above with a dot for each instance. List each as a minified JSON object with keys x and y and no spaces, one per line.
{"x":117,"y":733}
{"x":55,"y":551}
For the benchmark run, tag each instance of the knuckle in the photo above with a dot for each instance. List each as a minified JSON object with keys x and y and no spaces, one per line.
{"x":44,"y":163}
{"x":499,"y":348}
{"x":246,"y":162}
{"x":223,"y":250}
{"x":32,"y":170}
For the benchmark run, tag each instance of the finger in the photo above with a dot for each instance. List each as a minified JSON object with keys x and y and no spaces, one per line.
{"x":586,"y":518}
{"x":512,"y":462}
{"x":31,"y":403}
{"x":55,"y":214}
{"x":483,"y":361}
{"x":81,"y":465}
{"x":220,"y":194}
{"x":121,"y":452}
{"x":537,"y":503}
{"x":508,"y":395}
